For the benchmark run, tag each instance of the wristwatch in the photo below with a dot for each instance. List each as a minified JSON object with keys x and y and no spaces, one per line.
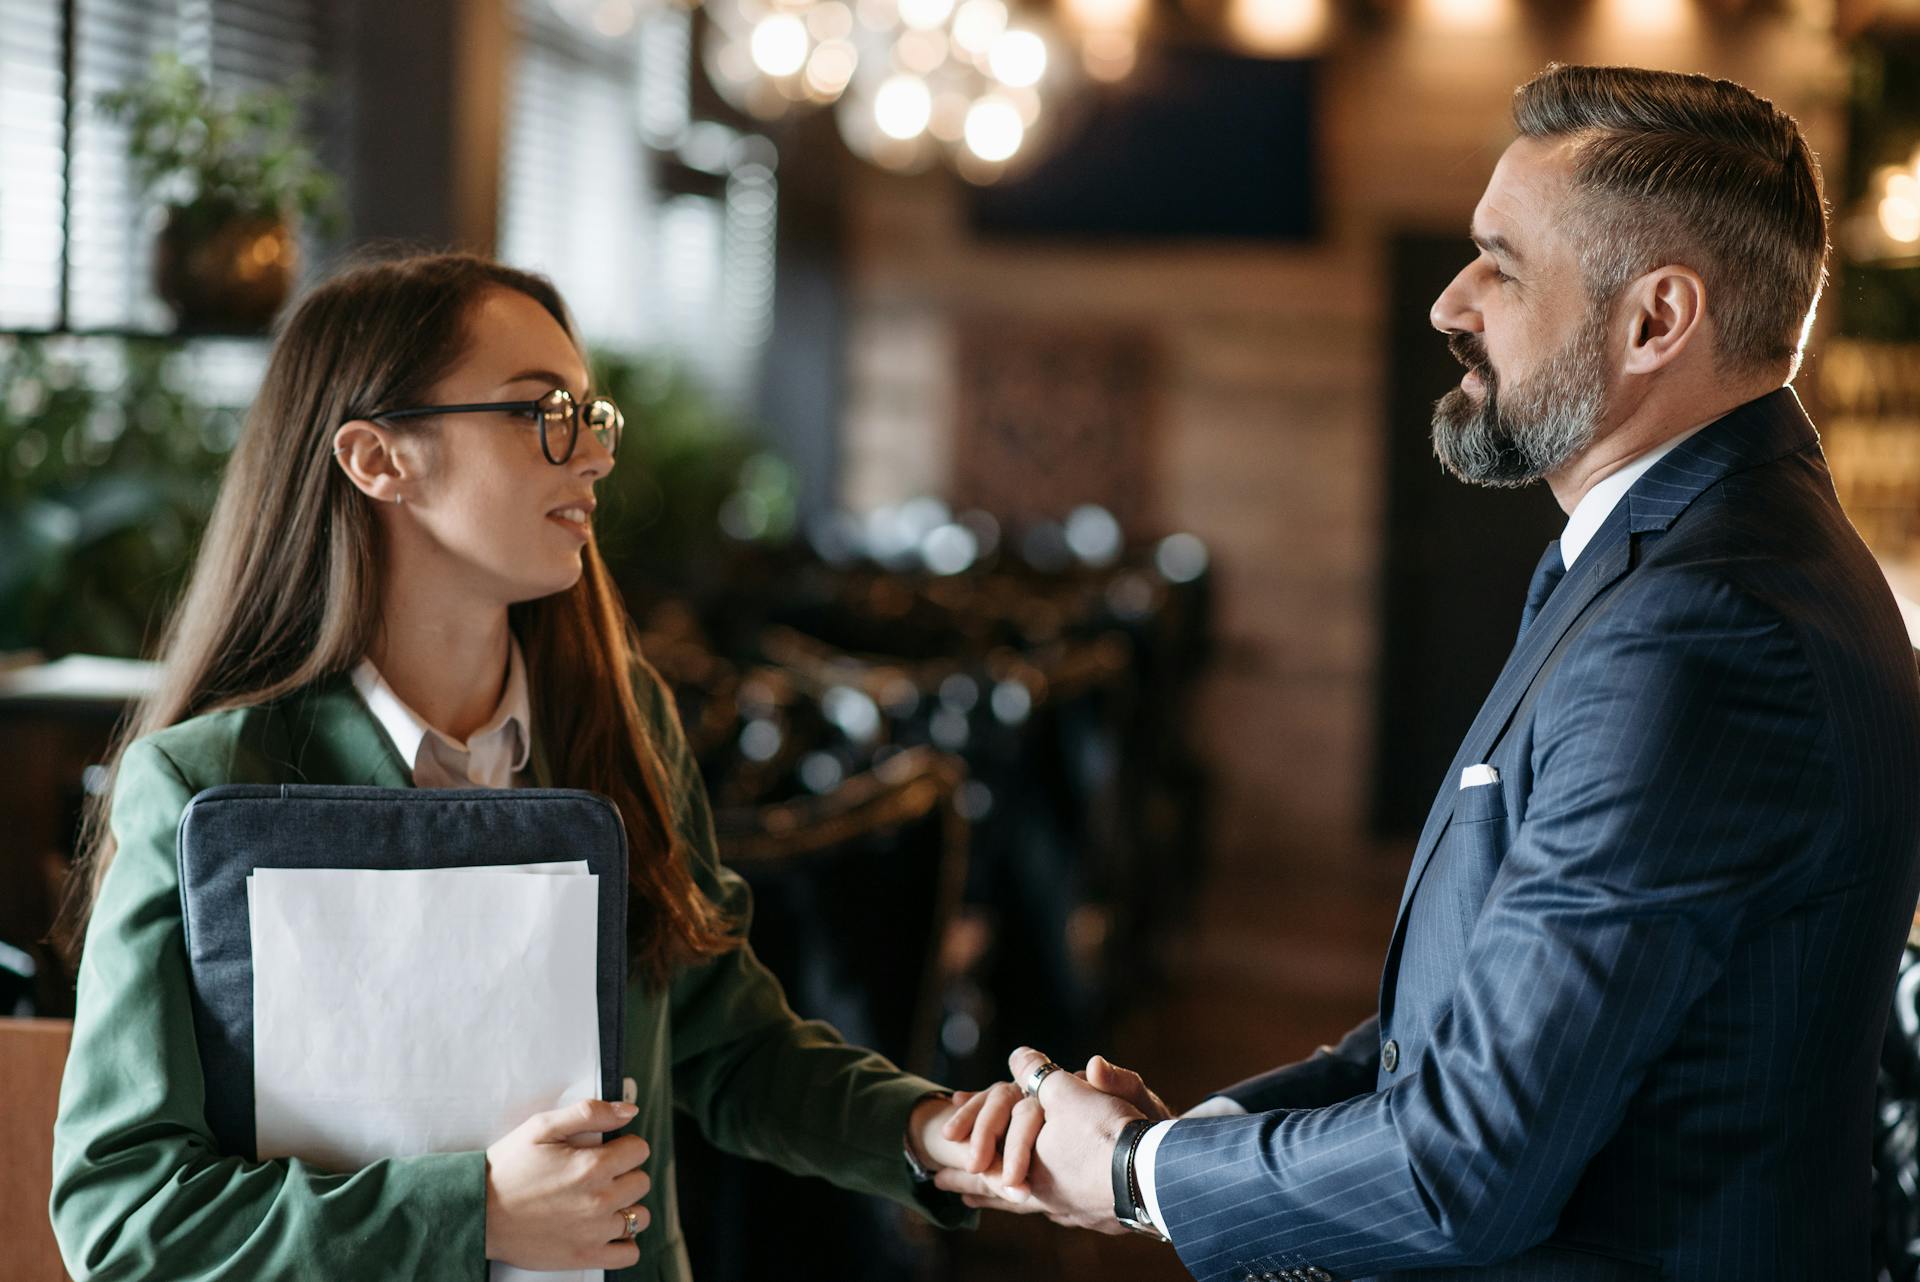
{"x":1128,"y":1206}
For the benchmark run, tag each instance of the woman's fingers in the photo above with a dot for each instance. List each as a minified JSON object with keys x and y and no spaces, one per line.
{"x":961,"y":1124}
{"x":623,"y":1254}
{"x":627,"y":1189}
{"x":623,"y":1154}
{"x":1017,"y":1151}
{"x":991,"y":1124}
{"x":587,"y":1116}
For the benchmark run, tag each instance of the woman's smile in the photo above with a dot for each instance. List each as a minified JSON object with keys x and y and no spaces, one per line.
{"x":575,"y":518}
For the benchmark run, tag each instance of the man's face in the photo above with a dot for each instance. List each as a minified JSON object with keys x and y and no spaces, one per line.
{"x":1520,"y":319}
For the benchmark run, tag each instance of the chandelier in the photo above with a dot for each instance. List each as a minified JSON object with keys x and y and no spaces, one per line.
{"x":911,"y":83}
{"x":982,"y":85}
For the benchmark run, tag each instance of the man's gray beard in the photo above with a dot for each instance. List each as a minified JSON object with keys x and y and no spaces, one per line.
{"x":1540,"y":425}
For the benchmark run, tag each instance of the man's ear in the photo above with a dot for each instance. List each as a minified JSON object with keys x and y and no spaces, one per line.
{"x":367,"y":453}
{"x":1666,"y":310}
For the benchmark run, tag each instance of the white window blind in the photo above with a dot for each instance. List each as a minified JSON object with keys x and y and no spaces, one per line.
{"x":106,"y":238}
{"x":576,"y":201}
{"x":592,"y":118}
{"x":32,"y":113}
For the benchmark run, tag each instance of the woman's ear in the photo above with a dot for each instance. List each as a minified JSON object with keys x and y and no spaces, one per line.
{"x":365,"y":452}
{"x":1667,"y":308}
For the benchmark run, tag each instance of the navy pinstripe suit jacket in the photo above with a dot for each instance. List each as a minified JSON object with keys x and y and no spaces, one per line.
{"x":1631,"y":1009}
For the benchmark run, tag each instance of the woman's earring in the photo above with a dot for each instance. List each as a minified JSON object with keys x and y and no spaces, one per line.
{"x":399,"y":498}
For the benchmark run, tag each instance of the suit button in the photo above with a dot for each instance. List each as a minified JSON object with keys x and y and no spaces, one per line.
{"x":1390,"y":1055}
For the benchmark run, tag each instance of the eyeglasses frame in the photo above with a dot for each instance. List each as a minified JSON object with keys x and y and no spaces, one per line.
{"x":534,"y":406}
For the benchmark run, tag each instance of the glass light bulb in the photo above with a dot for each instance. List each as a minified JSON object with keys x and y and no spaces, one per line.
{"x":977,"y":24}
{"x":902,"y":107}
{"x":925,"y":15}
{"x":1019,"y":59}
{"x":994,"y":131}
{"x":779,"y":44}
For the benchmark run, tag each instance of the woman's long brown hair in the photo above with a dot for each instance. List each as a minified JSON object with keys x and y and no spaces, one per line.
{"x":286,"y":587}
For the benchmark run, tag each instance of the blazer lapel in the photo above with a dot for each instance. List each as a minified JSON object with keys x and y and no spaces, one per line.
{"x":333,"y":738}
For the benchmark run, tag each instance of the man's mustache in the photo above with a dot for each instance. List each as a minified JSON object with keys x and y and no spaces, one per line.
{"x":1470,"y":351}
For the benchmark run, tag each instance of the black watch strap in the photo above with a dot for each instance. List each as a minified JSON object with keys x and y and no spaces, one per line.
{"x":1127,"y":1207}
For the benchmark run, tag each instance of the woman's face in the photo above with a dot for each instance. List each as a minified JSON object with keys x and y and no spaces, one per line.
{"x":508,"y":523}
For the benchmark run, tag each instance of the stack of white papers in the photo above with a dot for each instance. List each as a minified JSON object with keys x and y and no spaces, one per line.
{"x":401,"y":1013}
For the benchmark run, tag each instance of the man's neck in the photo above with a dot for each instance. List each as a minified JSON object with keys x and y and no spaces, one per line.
{"x":1646,"y":426}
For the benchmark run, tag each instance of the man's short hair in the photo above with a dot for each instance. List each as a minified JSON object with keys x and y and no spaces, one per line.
{"x":1702,"y":173}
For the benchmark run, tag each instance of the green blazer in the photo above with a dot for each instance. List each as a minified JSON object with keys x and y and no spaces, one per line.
{"x":139,"y":1190}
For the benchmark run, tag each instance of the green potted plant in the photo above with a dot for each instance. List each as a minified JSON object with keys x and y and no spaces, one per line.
{"x":237,"y":178}
{"x":107,"y":476}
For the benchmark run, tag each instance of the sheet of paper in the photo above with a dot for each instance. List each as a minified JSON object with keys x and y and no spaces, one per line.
{"x":400,"y":1013}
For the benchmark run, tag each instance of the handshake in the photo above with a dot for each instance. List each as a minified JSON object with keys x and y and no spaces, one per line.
{"x":1046,"y":1151}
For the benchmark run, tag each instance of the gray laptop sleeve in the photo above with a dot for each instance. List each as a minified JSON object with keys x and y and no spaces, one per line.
{"x":230,"y":830}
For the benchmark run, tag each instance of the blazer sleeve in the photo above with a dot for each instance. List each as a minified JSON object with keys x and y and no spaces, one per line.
{"x":1682,"y":773}
{"x":758,"y":1080}
{"x":1328,"y":1076}
{"x":139,"y":1190}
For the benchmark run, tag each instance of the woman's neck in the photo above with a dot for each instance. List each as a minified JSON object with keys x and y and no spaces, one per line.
{"x":442,"y":653}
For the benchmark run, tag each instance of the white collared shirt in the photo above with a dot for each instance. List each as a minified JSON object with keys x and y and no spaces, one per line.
{"x":1597,"y":504}
{"x":491,"y":756}
{"x":1588,"y":515}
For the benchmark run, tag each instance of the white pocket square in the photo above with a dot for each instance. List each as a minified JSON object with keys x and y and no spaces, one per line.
{"x":1478,"y":777}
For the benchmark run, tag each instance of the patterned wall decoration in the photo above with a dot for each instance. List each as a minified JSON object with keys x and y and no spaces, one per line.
{"x":1050,"y":417}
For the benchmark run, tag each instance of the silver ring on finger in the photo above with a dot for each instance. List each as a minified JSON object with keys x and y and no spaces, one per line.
{"x":1030,"y":1084}
{"x":632,"y":1217}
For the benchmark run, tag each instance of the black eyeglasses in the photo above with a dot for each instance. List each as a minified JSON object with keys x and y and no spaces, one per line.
{"x":558,"y":414}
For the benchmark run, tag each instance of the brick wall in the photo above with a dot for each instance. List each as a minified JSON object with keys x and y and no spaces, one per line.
{"x":1271,"y":444}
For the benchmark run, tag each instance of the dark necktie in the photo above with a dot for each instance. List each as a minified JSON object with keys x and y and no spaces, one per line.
{"x":1546,"y":576}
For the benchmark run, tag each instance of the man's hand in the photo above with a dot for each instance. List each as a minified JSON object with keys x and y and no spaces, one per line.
{"x":1071,"y":1177}
{"x":1104,"y":1075}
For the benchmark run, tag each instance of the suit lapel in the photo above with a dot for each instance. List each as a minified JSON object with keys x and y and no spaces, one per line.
{"x":1599,"y":568}
{"x":1758,"y":432}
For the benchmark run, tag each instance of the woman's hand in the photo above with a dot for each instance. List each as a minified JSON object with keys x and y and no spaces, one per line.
{"x":991,"y":1132}
{"x":553,"y":1205}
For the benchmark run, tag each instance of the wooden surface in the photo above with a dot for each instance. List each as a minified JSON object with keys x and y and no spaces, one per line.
{"x":33,"y":1053}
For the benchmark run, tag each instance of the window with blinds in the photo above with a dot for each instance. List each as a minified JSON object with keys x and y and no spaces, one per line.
{"x":658,"y":229}
{"x":76,"y":235}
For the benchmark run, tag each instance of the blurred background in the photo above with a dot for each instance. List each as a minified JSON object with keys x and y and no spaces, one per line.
{"x":1026,"y":491}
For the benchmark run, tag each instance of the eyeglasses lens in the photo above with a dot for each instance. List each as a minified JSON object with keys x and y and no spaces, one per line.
{"x":557,"y":425}
{"x":605,"y":421}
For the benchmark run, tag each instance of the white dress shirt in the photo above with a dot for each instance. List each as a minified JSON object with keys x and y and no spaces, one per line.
{"x":491,"y":756}
{"x":1588,"y":515}
{"x":1597,"y":504}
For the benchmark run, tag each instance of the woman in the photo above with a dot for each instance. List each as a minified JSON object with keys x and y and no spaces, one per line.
{"x":398,"y":588}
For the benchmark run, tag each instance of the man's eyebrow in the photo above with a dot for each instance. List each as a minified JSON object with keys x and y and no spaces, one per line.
{"x":546,"y":376}
{"x":1496,"y":244}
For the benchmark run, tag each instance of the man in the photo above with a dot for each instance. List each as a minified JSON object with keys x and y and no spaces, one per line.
{"x":1630,"y":1011}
